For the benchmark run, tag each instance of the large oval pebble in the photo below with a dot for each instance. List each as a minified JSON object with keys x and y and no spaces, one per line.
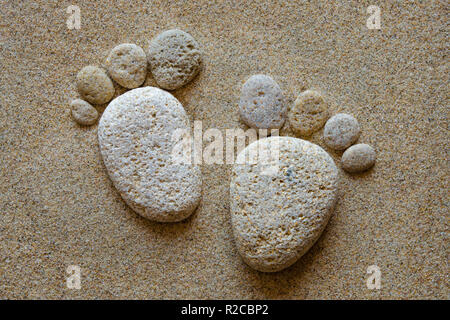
{"x":278,"y":214}
{"x":135,"y":135}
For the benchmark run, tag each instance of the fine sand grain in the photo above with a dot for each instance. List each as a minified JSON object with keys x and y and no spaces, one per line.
{"x":59,"y":208}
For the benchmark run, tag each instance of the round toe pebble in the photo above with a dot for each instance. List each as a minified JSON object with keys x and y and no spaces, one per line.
{"x":358,"y":158}
{"x":309,"y":113}
{"x":262,"y":104}
{"x":83,"y":113}
{"x":94,"y":85}
{"x":341,"y":131}
{"x":174,"y":58}
{"x":127,"y":65}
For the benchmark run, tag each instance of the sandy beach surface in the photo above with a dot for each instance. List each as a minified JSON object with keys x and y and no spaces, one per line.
{"x":59,"y":208}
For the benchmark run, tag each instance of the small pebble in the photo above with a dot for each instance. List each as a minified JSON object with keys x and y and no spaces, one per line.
{"x":94,"y":85}
{"x":83,"y":112}
{"x":174,"y":58}
{"x":358,"y":158}
{"x":341,"y":131}
{"x":309,"y":113}
{"x":135,"y":135}
{"x":262,"y":104}
{"x":127,"y":65}
{"x":278,"y":215}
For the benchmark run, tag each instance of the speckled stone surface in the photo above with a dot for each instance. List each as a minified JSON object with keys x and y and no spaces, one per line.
{"x":59,"y":208}
{"x":135,"y":137}
{"x":278,"y":215}
{"x":83,"y":112}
